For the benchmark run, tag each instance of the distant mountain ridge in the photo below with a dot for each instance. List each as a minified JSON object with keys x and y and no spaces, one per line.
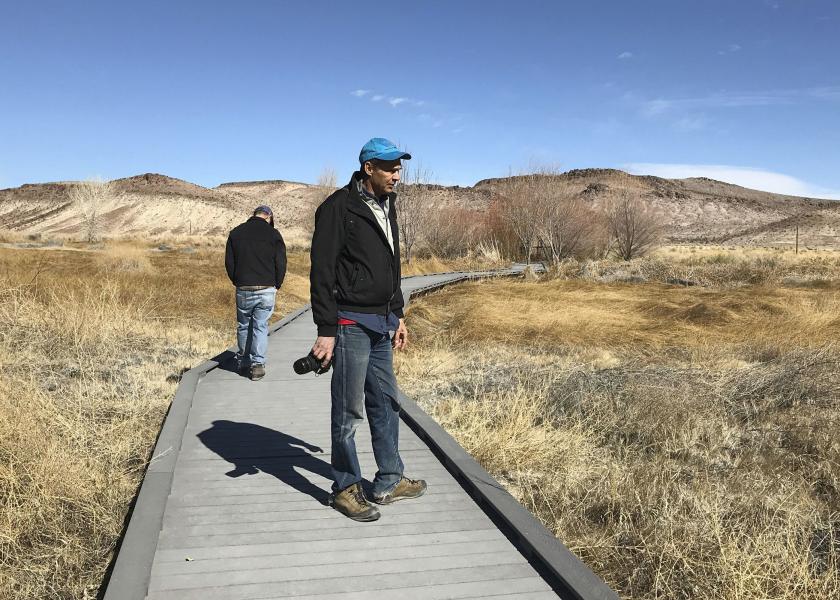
{"x":697,"y":210}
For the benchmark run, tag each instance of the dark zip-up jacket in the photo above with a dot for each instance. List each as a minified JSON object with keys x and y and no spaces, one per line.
{"x":353,"y":266}
{"x":255,"y":254}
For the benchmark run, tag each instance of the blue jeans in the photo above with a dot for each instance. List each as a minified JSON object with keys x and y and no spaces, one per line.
{"x":253,"y":310}
{"x":363,"y":379}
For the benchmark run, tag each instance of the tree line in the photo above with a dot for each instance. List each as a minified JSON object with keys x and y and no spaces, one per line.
{"x":536,"y":216}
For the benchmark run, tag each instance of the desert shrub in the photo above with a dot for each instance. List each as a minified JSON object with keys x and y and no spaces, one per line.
{"x":125,"y":258}
{"x":451,"y":232}
{"x":734,"y":271}
{"x":634,"y":228}
{"x":720,"y":258}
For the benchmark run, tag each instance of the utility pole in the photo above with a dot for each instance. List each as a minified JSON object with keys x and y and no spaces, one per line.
{"x":797,"y":238}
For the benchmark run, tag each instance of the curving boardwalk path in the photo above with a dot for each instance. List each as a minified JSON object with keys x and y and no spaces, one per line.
{"x":239,"y":508}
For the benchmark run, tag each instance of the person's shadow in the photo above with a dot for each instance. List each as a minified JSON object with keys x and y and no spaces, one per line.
{"x":253,"y":449}
{"x":227,"y":362}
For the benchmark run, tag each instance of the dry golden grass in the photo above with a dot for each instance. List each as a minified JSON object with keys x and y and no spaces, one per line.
{"x":633,"y":317}
{"x":433,"y":264}
{"x":683,"y":441}
{"x":734,"y":253}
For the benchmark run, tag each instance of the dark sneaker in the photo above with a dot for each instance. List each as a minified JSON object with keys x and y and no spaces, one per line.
{"x":404,"y":490}
{"x":257,"y":371}
{"x":351,"y":502}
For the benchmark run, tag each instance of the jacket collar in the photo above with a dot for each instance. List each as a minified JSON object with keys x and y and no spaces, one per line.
{"x":358,"y":206}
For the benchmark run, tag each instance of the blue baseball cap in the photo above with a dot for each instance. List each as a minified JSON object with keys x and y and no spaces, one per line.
{"x":262,"y":208}
{"x":381,"y":149}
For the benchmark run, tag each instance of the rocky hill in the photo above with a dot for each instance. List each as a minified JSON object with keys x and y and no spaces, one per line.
{"x":697,"y":210}
{"x":155,"y":205}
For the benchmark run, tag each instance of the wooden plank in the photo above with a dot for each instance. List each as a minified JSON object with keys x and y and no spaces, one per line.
{"x":260,"y":497}
{"x":498,"y":573}
{"x":333,"y":522}
{"x":300,"y":509}
{"x":360,"y":568}
{"x":526,"y":588}
{"x":328,"y":558}
{"x":320,"y":546}
{"x":371,"y":531}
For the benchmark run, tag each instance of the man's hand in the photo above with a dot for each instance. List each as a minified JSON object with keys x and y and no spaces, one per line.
{"x":400,"y":336}
{"x":323,"y":349}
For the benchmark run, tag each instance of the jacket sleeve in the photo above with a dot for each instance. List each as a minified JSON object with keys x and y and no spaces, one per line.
{"x":230,"y":261}
{"x":398,"y":303}
{"x":327,"y":243}
{"x":280,"y":262}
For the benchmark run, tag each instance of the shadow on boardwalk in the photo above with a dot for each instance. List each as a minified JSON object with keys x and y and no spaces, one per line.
{"x":253,"y":449}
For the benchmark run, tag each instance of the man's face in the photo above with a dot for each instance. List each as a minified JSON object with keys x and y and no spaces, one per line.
{"x":383,"y":175}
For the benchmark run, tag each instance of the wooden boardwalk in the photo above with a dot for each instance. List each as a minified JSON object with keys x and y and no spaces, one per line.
{"x":245,"y":516}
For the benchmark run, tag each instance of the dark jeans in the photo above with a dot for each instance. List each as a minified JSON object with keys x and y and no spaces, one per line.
{"x":363,"y":379}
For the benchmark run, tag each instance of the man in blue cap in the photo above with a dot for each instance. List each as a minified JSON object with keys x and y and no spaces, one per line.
{"x":356,"y":304}
{"x":255,"y":261}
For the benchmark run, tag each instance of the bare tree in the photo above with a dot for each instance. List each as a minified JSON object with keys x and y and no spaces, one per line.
{"x":450,"y":231}
{"x":634,"y":228}
{"x":327,"y":180}
{"x":413,"y":209}
{"x":326,"y":185}
{"x":518,"y":208}
{"x":89,"y":198}
{"x":564,"y":223}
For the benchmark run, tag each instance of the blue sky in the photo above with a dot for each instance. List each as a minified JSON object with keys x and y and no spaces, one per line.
{"x":747,"y":91}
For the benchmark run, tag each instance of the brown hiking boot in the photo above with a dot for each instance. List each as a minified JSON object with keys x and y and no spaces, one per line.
{"x":404,"y":490}
{"x":257,"y":371}
{"x":351,"y":502}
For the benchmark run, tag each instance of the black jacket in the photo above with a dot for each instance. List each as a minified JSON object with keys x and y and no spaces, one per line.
{"x":255,"y":254}
{"x":353,"y":266}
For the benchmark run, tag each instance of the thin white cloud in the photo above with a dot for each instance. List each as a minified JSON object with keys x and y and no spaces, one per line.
{"x":392,"y":100}
{"x":658,"y":106}
{"x":731,"y":48}
{"x":825,"y":93}
{"x":651,"y":108}
{"x":691,"y":123}
{"x":757,"y":179}
{"x":625,"y":55}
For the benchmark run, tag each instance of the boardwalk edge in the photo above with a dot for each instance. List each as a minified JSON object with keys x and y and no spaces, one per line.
{"x":132,"y":564}
{"x":564,"y":571}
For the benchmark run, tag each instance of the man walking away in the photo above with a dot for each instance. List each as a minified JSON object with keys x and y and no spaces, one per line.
{"x":356,"y":303}
{"x":255,"y":260}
